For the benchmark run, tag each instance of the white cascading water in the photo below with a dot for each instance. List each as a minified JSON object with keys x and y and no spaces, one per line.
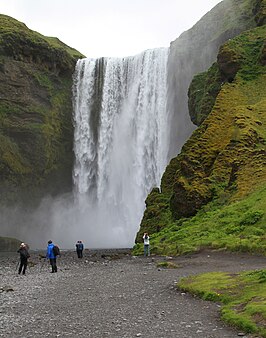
{"x":121,"y":143}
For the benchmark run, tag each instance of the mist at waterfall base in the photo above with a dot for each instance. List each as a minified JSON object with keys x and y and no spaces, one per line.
{"x":121,"y":143}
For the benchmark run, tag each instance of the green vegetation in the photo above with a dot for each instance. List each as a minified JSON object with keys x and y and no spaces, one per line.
{"x":202,"y":93}
{"x":35,"y":112}
{"x":238,"y":226}
{"x":243,"y":296}
{"x":167,"y":265}
{"x":213,"y":193}
{"x":242,"y":56}
{"x":18,"y":40}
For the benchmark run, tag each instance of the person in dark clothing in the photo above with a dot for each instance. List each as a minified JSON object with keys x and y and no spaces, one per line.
{"x":51,"y":256}
{"x":24,"y":255}
{"x":79,"y":249}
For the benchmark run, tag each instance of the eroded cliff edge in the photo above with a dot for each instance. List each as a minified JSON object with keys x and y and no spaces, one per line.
{"x":36,"y":131}
{"x":223,"y":162}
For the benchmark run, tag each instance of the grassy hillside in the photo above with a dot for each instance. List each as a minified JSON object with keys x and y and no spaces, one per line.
{"x":36,"y":129}
{"x":213,"y":193}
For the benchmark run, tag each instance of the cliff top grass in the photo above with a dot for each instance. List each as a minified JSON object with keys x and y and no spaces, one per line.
{"x":243,"y":297}
{"x":35,"y":113}
{"x":13,"y":29}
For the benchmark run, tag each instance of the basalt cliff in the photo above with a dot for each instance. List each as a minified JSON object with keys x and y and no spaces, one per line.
{"x":35,"y":113}
{"x":213,"y":194}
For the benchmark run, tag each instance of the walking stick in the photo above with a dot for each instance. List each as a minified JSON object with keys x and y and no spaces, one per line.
{"x":17,"y":265}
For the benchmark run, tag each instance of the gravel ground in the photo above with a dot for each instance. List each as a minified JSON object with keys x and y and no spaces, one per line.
{"x":112,"y":294}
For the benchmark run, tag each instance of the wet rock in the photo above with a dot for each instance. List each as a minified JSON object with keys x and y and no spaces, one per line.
{"x":6,"y":288}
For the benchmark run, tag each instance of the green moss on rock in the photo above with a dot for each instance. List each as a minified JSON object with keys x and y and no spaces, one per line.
{"x":202,"y":93}
{"x":23,"y":44}
{"x":244,"y":55}
{"x":223,"y":163}
{"x":36,"y":156}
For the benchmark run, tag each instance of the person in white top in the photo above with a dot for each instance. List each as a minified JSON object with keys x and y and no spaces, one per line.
{"x":146,"y":241}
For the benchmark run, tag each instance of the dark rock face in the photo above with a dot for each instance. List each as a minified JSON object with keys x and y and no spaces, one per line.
{"x":35,"y":113}
{"x":202,"y":93}
{"x":260,"y":12}
{"x":186,"y":200}
{"x":263,"y":55}
{"x":229,"y":64}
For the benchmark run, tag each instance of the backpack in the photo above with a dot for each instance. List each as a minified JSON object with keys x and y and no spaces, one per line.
{"x":56,"y":250}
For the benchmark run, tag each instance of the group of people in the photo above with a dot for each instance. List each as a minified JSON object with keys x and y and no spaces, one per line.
{"x":52,"y":252}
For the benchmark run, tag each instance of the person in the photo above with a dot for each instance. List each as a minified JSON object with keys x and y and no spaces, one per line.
{"x":24,"y":255}
{"x":146,"y":241}
{"x":79,"y":249}
{"x":51,"y":256}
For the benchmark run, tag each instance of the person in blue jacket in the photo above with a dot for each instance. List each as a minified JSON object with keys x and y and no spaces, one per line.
{"x":79,"y":249}
{"x":51,"y":256}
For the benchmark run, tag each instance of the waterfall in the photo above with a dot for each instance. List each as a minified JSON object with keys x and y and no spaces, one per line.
{"x":121,"y":142}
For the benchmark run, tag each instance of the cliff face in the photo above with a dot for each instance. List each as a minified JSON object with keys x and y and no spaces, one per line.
{"x":227,"y":153}
{"x":35,"y":112}
{"x":223,"y":162}
{"x":195,"y":51}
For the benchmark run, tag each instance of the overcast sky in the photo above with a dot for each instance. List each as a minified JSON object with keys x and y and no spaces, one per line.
{"x":109,"y":27}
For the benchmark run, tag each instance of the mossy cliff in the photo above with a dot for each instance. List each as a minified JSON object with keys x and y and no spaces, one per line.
{"x":36,"y":130}
{"x":221,"y":169}
{"x":195,"y":50}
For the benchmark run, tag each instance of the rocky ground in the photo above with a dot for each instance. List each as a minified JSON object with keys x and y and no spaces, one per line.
{"x":112,"y":294}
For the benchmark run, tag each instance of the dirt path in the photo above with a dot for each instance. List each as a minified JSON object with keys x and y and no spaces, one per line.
{"x":102,"y":296}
